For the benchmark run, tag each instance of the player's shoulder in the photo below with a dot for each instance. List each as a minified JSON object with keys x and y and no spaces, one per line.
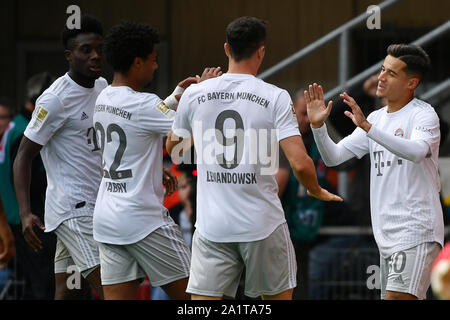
{"x":270,"y":86}
{"x":423,"y":110}
{"x":52,"y":97}
{"x":101,"y":83}
{"x":62,"y":88}
{"x":146,"y":97}
{"x":279,"y":95}
{"x":422,"y":106}
{"x":58,"y":88}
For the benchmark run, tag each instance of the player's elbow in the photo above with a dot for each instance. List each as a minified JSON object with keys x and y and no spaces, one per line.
{"x":418,"y":158}
{"x":301,"y":164}
{"x":419,"y":153}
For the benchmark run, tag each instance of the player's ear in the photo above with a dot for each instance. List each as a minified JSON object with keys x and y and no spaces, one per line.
{"x":226,"y":47}
{"x":413,"y":82}
{"x":137,"y":62}
{"x":261,"y":52}
{"x":68,"y":55}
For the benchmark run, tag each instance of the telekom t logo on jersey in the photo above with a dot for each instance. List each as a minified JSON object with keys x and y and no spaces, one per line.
{"x":378,"y":157}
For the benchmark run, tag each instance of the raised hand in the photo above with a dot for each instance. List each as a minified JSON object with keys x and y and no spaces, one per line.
{"x":209,"y":73}
{"x":357,"y":116}
{"x":315,"y":105}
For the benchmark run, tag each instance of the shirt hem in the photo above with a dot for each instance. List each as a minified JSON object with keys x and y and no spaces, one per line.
{"x":251,"y":238}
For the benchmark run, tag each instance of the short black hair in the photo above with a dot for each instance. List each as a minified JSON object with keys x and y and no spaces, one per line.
{"x":244,"y":36}
{"x":88,"y":24}
{"x":36,"y":85}
{"x":129,"y":40}
{"x":416,"y":59}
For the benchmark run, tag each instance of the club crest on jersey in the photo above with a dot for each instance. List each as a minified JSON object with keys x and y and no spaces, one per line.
{"x":399,"y":132}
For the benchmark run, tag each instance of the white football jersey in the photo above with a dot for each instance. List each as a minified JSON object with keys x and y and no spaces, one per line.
{"x":62,"y":124}
{"x":404,"y":196}
{"x":130,"y":126}
{"x":237,"y":122}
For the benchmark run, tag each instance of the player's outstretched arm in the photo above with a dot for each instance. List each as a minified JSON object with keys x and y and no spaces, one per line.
{"x":415,"y":150}
{"x":7,"y":246}
{"x":28,"y":150}
{"x":304,"y":169}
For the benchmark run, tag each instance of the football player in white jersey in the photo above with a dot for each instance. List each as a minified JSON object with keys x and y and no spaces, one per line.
{"x":136,"y":235}
{"x":403,"y":142}
{"x":240,"y":220}
{"x":61,"y":130}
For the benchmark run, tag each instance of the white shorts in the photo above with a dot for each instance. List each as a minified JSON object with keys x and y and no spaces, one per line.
{"x":409,"y":271}
{"x":76,"y":241}
{"x":163,"y":255}
{"x":270,"y":263}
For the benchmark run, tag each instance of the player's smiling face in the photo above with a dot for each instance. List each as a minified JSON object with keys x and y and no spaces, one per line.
{"x":86,"y":56}
{"x":392,"y":80}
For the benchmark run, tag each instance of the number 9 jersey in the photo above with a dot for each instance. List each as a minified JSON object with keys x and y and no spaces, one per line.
{"x":236,"y":121}
{"x":130,"y":127}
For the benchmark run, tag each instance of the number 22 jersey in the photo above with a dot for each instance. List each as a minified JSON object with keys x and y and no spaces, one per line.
{"x":130,"y":126}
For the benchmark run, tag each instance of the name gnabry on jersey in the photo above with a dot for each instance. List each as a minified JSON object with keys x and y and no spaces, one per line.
{"x":114,"y":110}
{"x":232,"y":96}
{"x":116,"y":187}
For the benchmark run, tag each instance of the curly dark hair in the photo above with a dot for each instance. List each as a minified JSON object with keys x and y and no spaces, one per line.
{"x":416,"y":59}
{"x":88,"y":24}
{"x":244,"y":36}
{"x":127,"y":41}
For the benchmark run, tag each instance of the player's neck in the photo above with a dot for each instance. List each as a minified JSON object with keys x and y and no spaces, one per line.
{"x":122,"y":80}
{"x":81,"y":80}
{"x":243,"y":67}
{"x":394,"y":106}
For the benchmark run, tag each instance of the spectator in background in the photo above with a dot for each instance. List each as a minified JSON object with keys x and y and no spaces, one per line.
{"x":187,"y":186}
{"x":7,"y":247}
{"x":183,"y":213}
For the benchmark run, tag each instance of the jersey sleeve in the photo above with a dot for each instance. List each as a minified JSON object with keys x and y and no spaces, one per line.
{"x":155,"y":116}
{"x":48,"y":117}
{"x":285,"y":118}
{"x":426,"y":128}
{"x":181,"y":125}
